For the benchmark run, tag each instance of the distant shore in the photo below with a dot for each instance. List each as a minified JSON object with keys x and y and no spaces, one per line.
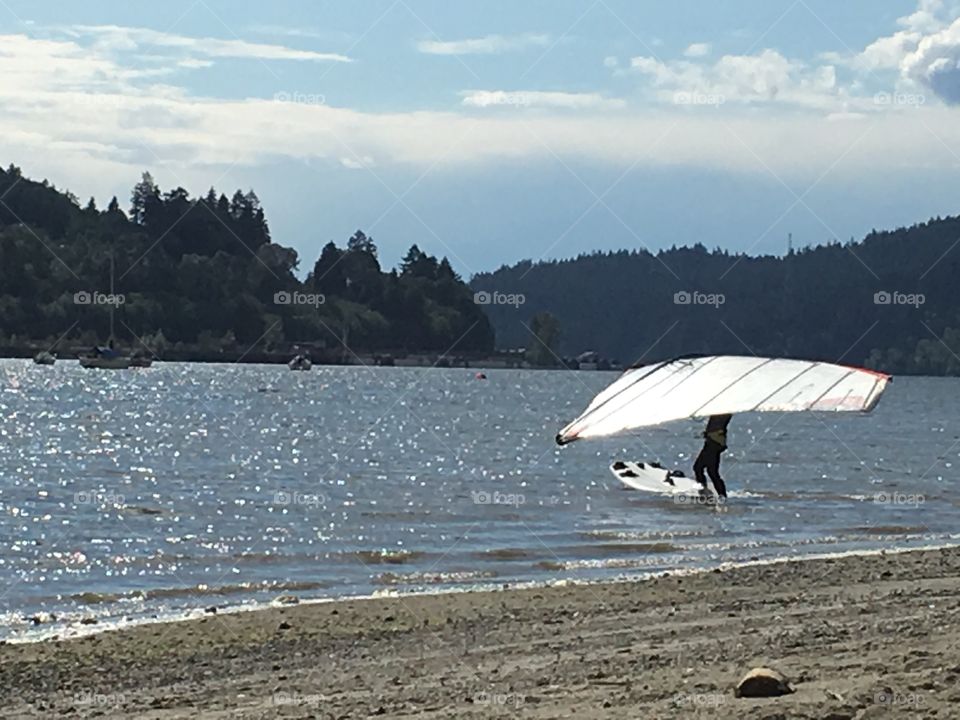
{"x":420,"y":360}
{"x":859,"y":637}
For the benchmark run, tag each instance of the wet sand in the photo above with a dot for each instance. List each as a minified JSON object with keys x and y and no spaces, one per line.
{"x":859,"y":637}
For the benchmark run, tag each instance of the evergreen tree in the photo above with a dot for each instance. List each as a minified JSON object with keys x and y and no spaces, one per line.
{"x":144,"y":200}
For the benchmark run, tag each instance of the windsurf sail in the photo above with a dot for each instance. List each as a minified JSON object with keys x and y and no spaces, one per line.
{"x":696,"y":387}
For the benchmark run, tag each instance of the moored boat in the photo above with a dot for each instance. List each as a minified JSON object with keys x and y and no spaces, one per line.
{"x":300,"y":362}
{"x":45,"y":358}
{"x":140,"y":361}
{"x":105,"y":358}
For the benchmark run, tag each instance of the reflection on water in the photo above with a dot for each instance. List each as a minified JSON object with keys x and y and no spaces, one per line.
{"x":129,"y":494}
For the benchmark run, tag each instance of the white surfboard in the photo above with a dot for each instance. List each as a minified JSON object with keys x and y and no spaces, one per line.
{"x":650,"y":477}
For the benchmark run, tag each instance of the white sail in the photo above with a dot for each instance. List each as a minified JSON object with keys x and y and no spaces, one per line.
{"x":723,"y":384}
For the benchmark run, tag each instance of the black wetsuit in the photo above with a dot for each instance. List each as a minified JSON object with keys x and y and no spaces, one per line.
{"x":709,"y":458}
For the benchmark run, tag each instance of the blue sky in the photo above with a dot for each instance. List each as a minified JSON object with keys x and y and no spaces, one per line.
{"x":497,"y":131}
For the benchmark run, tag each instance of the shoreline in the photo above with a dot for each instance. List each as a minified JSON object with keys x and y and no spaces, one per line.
{"x":846,"y":630}
{"x":425,"y":361}
{"x":60,"y":632}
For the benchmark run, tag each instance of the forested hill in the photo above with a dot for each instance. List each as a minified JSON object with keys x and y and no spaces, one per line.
{"x":891,"y":301}
{"x":201,"y":276}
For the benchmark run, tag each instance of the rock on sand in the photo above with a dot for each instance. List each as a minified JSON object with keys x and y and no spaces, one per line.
{"x":763,"y":682}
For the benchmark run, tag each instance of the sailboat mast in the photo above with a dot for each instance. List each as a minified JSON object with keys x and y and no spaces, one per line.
{"x":112,"y":304}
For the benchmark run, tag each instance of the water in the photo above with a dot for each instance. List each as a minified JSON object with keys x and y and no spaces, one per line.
{"x":131,"y":495}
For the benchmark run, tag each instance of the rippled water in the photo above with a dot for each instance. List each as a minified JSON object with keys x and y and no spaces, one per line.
{"x":128,"y":495}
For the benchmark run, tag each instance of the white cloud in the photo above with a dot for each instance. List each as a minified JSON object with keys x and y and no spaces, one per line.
{"x":488,"y":45}
{"x":194,"y":63}
{"x":338,"y":36}
{"x":927,"y":18}
{"x":656,"y":69}
{"x":124,"y":39}
{"x":77,"y":114}
{"x":890,"y":52}
{"x":766,"y":77}
{"x":698,"y":50}
{"x":925,"y":56}
{"x":887,"y":53}
{"x":30,"y":64}
{"x":936,"y":63}
{"x":534,"y":98}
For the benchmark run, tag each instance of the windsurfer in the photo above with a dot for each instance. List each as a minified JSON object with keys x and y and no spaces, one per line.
{"x":708,"y":460}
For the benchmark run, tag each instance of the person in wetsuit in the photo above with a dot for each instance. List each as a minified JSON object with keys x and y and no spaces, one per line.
{"x":708,"y":460}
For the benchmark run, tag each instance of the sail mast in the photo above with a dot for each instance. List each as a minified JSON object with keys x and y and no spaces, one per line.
{"x":111,"y":342}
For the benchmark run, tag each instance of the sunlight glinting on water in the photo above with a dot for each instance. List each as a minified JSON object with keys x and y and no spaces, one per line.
{"x":130,"y":495}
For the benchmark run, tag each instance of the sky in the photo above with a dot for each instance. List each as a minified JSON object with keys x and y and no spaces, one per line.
{"x":492,"y":132}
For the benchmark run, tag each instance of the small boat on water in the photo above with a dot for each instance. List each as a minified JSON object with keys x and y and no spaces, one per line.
{"x":108,"y":357}
{"x":105,"y":358}
{"x":300,"y":362}
{"x":139,"y":360}
{"x":45,"y":358}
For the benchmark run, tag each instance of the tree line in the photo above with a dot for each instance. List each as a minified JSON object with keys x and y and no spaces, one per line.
{"x":889,"y":301}
{"x":202,"y":276}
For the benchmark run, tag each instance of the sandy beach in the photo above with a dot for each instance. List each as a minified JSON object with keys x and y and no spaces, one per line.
{"x":859,"y":637}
